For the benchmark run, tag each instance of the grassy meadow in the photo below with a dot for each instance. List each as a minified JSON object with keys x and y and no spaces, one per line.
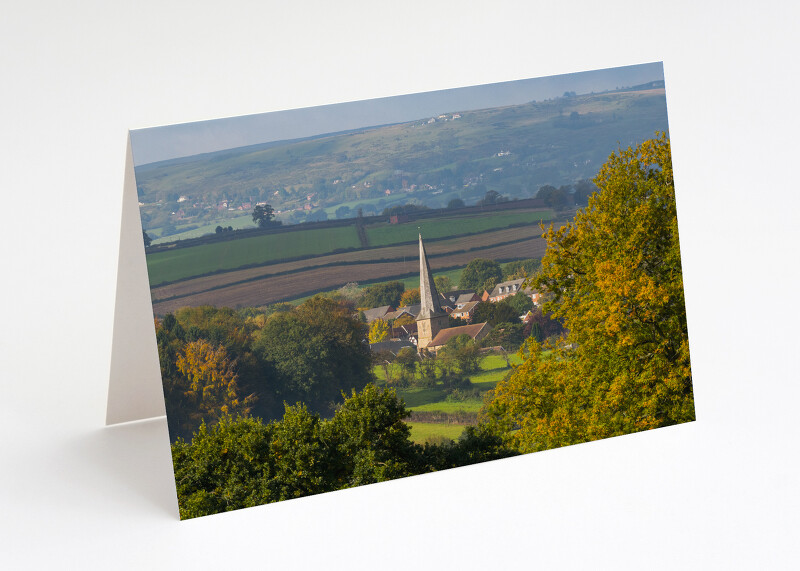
{"x":434,"y":399}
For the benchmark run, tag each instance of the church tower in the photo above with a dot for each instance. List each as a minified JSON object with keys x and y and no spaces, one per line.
{"x":431,"y":318}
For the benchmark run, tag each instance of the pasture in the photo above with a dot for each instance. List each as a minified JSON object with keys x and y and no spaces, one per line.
{"x":435,"y":399}
{"x":433,"y":228}
{"x":182,"y":263}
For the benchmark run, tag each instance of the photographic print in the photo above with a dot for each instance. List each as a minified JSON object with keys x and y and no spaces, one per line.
{"x":364,"y":291}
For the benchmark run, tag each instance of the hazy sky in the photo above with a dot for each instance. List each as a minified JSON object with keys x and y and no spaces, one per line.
{"x":168,"y":142}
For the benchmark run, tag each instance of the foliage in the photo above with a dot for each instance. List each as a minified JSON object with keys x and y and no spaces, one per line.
{"x":615,"y":276}
{"x":147,"y":239}
{"x":520,"y":302}
{"x":443,"y":284}
{"x":520,"y":268}
{"x":410,"y":297}
{"x":378,"y":331}
{"x":387,"y":293}
{"x":314,"y":352}
{"x":263,"y":214}
{"x":495,"y":312}
{"x":407,"y":359}
{"x":481,"y":274}
{"x":463,"y":352}
{"x":242,"y":462}
{"x":510,"y":336}
{"x":456,"y":203}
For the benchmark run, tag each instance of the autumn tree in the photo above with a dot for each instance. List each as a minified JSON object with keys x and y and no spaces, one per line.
{"x":615,"y":278}
{"x":409,"y":297}
{"x":203,"y":389}
{"x":378,"y":331}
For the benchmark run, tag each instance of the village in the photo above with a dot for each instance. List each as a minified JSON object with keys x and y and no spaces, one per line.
{"x":429,"y":325}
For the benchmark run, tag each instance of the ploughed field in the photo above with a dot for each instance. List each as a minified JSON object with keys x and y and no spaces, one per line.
{"x":281,"y":281}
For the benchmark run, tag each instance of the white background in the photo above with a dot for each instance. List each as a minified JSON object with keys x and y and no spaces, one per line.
{"x":718,"y":493}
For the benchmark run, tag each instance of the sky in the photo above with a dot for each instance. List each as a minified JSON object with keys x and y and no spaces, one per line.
{"x":173,"y":141}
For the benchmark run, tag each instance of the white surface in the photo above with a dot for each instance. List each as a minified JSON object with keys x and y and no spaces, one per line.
{"x":719,"y":493}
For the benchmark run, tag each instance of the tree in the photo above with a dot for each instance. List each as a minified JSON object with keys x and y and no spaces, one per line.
{"x":242,"y":462}
{"x":443,"y":283}
{"x":464,"y":352}
{"x":479,"y":273}
{"x":455,"y":203}
{"x":494,"y":313}
{"x":615,"y":277}
{"x":204,"y":389}
{"x":520,"y":269}
{"x":378,"y":331}
{"x":147,"y":239}
{"x":521,"y":303}
{"x":263,"y":214}
{"x":314,"y":352}
{"x":407,"y":359}
{"x":343,"y":212}
{"x":409,"y":297}
{"x":379,"y":295}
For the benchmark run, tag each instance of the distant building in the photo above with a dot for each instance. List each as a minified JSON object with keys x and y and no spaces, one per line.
{"x":509,"y":288}
{"x":466,"y":310}
{"x":433,"y":329}
{"x":432,"y":318}
{"x":477,"y":331}
{"x":377,"y":313}
{"x":398,"y":218}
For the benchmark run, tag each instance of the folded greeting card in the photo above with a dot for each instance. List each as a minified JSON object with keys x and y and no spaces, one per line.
{"x":347,"y":294}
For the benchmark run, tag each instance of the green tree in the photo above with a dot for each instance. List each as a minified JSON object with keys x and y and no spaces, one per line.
{"x":464,"y":352}
{"x":479,"y":273}
{"x":520,"y":269}
{"x":521,"y":303}
{"x":263,"y":214}
{"x":147,"y":239}
{"x":443,"y":284}
{"x":314,"y":352}
{"x":407,"y":359}
{"x":382,"y":294}
{"x":455,"y":203}
{"x":615,"y":277}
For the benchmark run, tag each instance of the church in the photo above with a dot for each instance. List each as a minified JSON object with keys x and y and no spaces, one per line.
{"x":433,"y":323}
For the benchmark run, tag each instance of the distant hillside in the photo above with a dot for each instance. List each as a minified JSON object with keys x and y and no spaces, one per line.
{"x":513,"y":150}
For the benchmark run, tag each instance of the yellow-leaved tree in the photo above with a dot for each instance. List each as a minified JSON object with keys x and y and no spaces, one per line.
{"x":378,"y":331}
{"x":208,"y":383}
{"x":614,"y":277}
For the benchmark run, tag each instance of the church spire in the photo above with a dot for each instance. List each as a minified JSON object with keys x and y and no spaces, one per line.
{"x":428,"y":296}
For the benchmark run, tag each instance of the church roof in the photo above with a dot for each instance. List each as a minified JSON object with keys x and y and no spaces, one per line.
{"x":446,"y":334}
{"x":429,"y":297}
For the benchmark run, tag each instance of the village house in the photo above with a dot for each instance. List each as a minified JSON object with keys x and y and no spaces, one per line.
{"x":377,"y":313}
{"x":465,"y":311}
{"x":509,"y":288}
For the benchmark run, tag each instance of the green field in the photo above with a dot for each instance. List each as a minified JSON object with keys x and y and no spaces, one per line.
{"x":387,"y":234}
{"x":421,"y":431}
{"x":493,"y":369}
{"x":182,"y":263}
{"x":237,"y":223}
